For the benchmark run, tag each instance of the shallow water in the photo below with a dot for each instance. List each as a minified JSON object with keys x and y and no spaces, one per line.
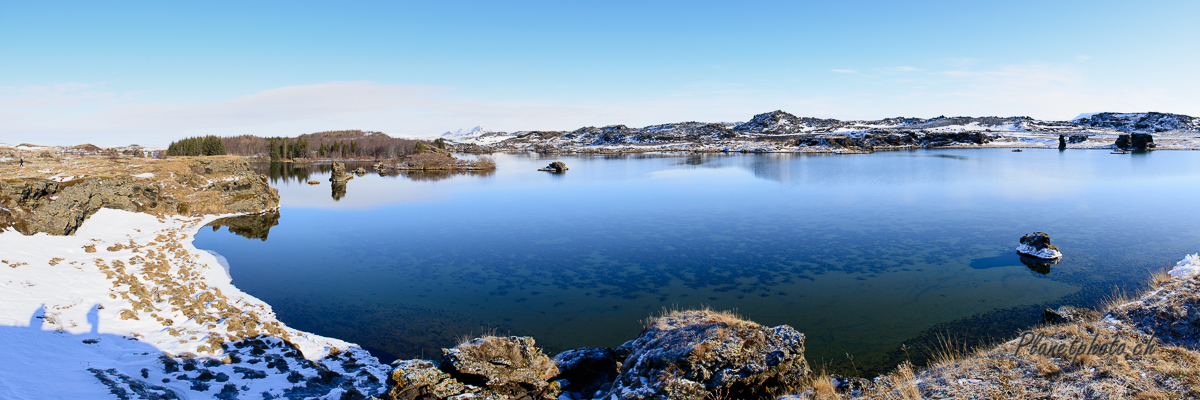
{"x":859,"y":252}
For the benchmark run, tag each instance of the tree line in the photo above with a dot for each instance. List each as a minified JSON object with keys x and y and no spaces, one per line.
{"x":198,"y":146}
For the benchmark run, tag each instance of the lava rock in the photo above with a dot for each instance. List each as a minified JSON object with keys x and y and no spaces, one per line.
{"x":501,"y":360}
{"x":1135,"y":141}
{"x":557,"y":166}
{"x":339,"y":173}
{"x":422,"y":379}
{"x":360,"y":171}
{"x":705,"y":354}
{"x":588,"y":370}
{"x":1038,"y":245}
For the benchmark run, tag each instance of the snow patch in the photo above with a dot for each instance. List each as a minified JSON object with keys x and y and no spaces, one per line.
{"x":1045,"y":254}
{"x":144,"y":175}
{"x":1186,"y":268}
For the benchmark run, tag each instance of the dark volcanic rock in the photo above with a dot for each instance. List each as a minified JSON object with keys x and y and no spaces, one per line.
{"x":1039,"y":265}
{"x":1135,"y":141}
{"x":1062,"y":142}
{"x":587,"y":371}
{"x":557,"y":166}
{"x":703,"y":354}
{"x":1038,"y":245}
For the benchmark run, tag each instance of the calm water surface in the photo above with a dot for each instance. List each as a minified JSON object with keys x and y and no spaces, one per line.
{"x":862,"y":253}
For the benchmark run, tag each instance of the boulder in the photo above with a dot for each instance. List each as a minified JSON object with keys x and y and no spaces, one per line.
{"x":588,"y":371}
{"x":486,"y":367}
{"x":339,"y":173}
{"x":1135,"y":141}
{"x":704,"y":354}
{"x":360,"y":171}
{"x":422,"y":379}
{"x":1062,"y":142}
{"x":557,"y":166}
{"x":1037,"y":245}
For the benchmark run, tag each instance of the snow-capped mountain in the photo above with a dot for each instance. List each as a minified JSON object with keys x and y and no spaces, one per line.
{"x":476,"y":131}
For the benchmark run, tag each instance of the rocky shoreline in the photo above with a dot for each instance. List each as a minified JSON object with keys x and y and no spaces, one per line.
{"x":116,"y":282}
{"x":781,"y":132}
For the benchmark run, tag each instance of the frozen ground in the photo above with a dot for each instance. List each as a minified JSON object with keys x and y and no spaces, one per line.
{"x":128,"y":307}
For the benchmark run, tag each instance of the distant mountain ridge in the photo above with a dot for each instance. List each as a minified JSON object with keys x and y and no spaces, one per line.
{"x":782,"y":123}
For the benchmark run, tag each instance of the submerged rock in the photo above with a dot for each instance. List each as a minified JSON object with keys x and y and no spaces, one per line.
{"x":1038,"y":245}
{"x":1066,"y":314}
{"x":557,"y":166}
{"x":339,"y":173}
{"x":705,"y":354}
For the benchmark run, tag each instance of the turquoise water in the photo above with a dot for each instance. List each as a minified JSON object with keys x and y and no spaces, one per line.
{"x":862,"y":253}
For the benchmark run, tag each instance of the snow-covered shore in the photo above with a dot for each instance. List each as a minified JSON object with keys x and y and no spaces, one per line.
{"x":101,"y":313}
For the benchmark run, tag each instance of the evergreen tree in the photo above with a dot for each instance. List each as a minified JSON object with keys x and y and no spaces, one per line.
{"x":420,"y":147}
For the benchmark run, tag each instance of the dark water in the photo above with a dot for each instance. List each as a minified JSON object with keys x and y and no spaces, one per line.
{"x":862,"y":253}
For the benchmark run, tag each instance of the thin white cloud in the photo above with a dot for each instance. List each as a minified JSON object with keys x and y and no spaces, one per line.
{"x":904,"y":68}
{"x":844,"y":71}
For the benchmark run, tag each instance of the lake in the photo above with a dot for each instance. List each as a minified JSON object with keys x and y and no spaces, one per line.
{"x":871,"y":256}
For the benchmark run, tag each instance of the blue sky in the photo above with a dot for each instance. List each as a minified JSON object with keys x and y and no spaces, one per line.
{"x":115,"y":73}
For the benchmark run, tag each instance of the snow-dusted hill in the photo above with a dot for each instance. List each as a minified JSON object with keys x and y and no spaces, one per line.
{"x":779,"y":131}
{"x":461,"y":133}
{"x":1147,"y":122}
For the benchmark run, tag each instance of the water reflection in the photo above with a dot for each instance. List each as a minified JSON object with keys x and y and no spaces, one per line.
{"x":859,"y":252}
{"x":339,"y":190}
{"x":256,"y":226}
{"x":1039,"y":265}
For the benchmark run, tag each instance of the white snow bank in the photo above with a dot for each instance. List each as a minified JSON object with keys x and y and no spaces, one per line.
{"x":144,"y":175}
{"x":61,"y":312}
{"x":1045,"y":254}
{"x":1186,"y":268}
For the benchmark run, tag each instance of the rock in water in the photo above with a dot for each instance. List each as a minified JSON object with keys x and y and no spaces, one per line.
{"x":339,"y":173}
{"x":1135,"y":141}
{"x":1062,"y":142}
{"x":705,"y":354}
{"x":1038,"y":245}
{"x":557,"y":166}
{"x":360,"y":171}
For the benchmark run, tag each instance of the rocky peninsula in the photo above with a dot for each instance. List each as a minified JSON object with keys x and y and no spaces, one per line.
{"x":105,"y":296}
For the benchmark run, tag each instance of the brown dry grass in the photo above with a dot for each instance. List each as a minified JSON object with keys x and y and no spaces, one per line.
{"x":702,"y":315}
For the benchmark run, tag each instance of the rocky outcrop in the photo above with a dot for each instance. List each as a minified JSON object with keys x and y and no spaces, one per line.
{"x":486,"y":367}
{"x":339,"y":174}
{"x":1135,"y":141}
{"x":360,"y":171}
{"x":199,"y":186}
{"x":1037,"y":245}
{"x":704,"y":354}
{"x":589,"y":371}
{"x":1065,"y":314}
{"x":557,"y":166}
